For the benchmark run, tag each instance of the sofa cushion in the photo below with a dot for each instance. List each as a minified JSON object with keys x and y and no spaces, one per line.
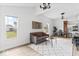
{"x":38,"y":37}
{"x":39,"y":34}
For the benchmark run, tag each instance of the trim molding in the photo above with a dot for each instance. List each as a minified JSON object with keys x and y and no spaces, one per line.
{"x":15,"y":47}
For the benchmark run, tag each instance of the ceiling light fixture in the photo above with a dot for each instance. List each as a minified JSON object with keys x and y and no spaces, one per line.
{"x":45,"y":6}
{"x":62,"y":14}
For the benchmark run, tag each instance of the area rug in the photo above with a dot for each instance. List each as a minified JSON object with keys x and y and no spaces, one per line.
{"x":60,"y":47}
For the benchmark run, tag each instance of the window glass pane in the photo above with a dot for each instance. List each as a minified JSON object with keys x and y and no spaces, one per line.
{"x":11,"y":26}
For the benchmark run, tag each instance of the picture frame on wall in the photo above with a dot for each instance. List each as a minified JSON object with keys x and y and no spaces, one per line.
{"x":36,"y":25}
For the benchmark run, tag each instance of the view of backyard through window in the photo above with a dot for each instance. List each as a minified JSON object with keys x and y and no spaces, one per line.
{"x":11,"y":26}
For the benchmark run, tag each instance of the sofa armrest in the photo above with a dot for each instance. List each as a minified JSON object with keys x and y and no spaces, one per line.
{"x":34,"y":39}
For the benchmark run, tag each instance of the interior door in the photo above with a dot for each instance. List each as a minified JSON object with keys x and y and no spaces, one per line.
{"x":65,"y":28}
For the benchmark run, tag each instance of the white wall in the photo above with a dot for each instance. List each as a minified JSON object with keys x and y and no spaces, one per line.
{"x":25,"y":16}
{"x":0,"y":28}
{"x":58,"y":23}
{"x":45,"y":21}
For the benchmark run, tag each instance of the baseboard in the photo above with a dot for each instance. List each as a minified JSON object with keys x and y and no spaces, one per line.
{"x":14,"y":47}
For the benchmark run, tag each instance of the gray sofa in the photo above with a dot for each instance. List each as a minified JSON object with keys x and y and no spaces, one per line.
{"x":38,"y":37}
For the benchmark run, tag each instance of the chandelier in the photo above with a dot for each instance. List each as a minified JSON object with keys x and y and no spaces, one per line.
{"x":45,"y":6}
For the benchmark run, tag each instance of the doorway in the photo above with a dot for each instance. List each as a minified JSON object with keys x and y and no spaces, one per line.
{"x":65,"y":28}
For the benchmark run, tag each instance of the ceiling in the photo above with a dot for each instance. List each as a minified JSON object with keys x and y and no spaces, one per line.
{"x":70,"y":9}
{"x":20,"y":4}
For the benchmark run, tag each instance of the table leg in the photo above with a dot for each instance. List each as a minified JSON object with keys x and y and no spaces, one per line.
{"x":51,"y":43}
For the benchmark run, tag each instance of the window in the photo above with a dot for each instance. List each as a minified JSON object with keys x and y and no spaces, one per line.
{"x":11,"y":26}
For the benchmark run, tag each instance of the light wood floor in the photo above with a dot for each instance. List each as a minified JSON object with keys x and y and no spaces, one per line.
{"x":27,"y":51}
{"x":20,"y":51}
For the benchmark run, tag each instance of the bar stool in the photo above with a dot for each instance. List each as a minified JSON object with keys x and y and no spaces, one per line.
{"x":51,"y":40}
